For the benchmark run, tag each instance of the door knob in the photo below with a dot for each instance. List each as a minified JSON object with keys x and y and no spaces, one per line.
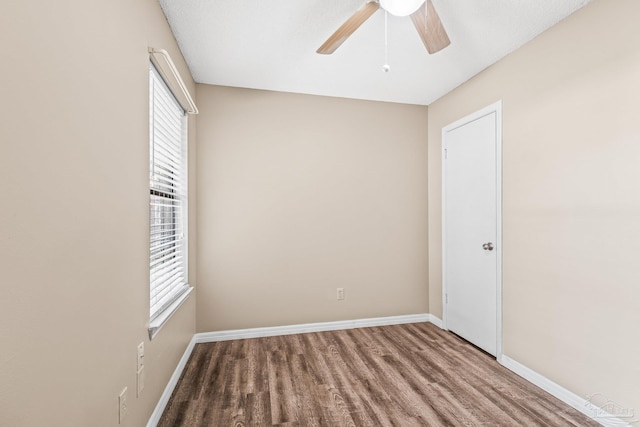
{"x":487,"y":246}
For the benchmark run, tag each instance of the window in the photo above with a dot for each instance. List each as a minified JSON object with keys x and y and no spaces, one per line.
{"x":168,"y":202}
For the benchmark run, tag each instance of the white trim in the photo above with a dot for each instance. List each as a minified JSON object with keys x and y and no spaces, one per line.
{"x":496,"y":108}
{"x":443,"y":225}
{"x":238,"y":334}
{"x":168,"y":390}
{"x":435,"y":320}
{"x":580,"y":404}
{"x":156,"y":324}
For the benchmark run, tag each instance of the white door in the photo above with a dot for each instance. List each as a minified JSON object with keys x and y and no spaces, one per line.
{"x":471,"y":228}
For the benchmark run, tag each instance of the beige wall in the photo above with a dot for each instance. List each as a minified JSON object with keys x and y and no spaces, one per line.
{"x":571,"y":198}
{"x":74,"y":217}
{"x":299,"y":195}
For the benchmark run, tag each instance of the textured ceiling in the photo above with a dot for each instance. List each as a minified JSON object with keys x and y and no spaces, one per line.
{"x":271,"y":45}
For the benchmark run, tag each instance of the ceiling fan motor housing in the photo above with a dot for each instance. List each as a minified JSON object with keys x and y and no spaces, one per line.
{"x":401,"y":7}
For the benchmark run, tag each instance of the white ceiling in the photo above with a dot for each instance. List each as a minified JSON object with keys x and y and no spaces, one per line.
{"x":271,"y":45}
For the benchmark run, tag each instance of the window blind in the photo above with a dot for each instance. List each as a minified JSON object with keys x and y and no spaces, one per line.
{"x":167,"y":209}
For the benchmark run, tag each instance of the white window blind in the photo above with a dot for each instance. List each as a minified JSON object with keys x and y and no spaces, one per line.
{"x":168,"y":197}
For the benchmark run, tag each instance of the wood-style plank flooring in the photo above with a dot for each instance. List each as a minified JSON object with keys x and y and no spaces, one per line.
{"x":404,"y":375}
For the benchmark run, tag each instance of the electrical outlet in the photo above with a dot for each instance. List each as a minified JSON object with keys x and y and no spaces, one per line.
{"x":140,"y":356}
{"x":122,"y":403}
{"x":140,"y":381}
{"x":340,"y":293}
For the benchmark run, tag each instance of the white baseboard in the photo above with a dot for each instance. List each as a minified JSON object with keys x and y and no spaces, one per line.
{"x":238,"y":334}
{"x":582,"y":405}
{"x":275,"y":331}
{"x":168,"y":390}
{"x":435,"y":320}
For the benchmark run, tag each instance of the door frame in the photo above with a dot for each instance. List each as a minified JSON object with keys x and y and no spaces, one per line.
{"x":497,"y":109}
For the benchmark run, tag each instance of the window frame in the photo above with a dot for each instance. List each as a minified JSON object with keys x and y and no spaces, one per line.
{"x":173,"y":188}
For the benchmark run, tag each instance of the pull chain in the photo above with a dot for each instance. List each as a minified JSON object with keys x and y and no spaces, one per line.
{"x":386,"y":66}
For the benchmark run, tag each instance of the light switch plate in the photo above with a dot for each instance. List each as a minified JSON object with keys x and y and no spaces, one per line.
{"x":140,"y":356}
{"x":122,"y":405}
{"x":140,"y":382}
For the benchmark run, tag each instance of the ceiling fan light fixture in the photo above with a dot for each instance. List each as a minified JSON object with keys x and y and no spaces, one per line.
{"x":401,"y":7}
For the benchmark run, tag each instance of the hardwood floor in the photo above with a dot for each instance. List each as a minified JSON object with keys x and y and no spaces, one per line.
{"x":405,"y":375}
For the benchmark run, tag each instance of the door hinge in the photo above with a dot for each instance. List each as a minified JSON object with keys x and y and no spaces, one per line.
{"x":445,"y":154}
{"x":446,"y":298}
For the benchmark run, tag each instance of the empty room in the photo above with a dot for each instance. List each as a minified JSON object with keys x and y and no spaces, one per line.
{"x":320,"y":213}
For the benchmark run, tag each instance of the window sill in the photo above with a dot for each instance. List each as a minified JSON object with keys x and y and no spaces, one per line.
{"x":159,"y":322}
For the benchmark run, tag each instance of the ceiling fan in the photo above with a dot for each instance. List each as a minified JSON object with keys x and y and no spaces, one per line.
{"x":423,"y":14}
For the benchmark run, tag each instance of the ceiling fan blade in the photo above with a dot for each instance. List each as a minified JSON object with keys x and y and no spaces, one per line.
{"x":429,"y":26}
{"x":348,"y":28}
